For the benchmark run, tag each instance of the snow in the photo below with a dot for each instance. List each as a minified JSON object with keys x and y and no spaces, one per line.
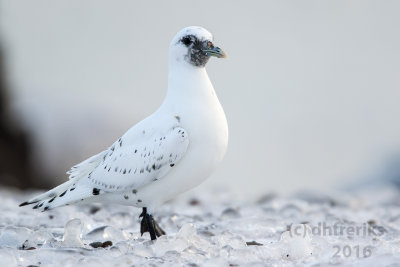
{"x":357,"y":228}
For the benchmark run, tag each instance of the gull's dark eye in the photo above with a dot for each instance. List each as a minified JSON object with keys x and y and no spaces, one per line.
{"x":186,"y":41}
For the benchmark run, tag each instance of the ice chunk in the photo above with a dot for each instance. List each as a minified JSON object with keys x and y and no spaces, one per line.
{"x":72,"y":234}
{"x":164,"y":244}
{"x":297,"y":242}
{"x":111,"y":233}
{"x":178,"y":243}
{"x":105,"y":233}
{"x":231,"y":239}
{"x":38,"y":238}
{"x":7,"y":257}
{"x":187,"y":231}
{"x":96,"y":234}
{"x":143,"y":250}
{"x":13,"y":237}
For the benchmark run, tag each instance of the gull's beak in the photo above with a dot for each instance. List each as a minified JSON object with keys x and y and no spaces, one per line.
{"x":215,"y":52}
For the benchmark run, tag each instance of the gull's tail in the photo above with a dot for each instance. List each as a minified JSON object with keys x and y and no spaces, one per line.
{"x":64,"y":194}
{"x":68,"y":192}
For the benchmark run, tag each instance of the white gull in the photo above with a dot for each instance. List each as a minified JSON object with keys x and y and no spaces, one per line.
{"x":171,"y":151}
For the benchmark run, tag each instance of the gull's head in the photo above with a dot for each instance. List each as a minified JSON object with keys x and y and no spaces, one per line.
{"x":194,"y":46}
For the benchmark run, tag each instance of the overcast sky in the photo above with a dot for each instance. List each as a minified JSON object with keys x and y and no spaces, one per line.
{"x":310,"y":88}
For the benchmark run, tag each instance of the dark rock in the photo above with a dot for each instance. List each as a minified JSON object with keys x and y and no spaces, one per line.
{"x":94,"y":209}
{"x":194,"y":202}
{"x":253,"y":243}
{"x":107,"y":244}
{"x":101,"y":244}
{"x":96,"y":244}
{"x":230,"y":213}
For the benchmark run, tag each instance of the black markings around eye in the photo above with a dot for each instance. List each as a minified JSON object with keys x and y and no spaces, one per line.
{"x":186,"y":40}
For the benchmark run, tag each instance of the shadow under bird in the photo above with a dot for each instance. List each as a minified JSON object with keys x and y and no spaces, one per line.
{"x":171,"y":151}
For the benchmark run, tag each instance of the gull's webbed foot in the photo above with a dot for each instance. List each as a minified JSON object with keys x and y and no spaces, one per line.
{"x":148,"y":224}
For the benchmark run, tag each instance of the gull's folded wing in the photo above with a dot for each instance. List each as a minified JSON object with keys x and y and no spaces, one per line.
{"x":123,"y":166}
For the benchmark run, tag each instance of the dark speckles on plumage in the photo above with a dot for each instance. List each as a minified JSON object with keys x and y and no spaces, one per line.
{"x":109,"y":169}
{"x":148,"y":169}
{"x":126,"y":197}
{"x":177,"y":118}
{"x":129,"y":170}
{"x":135,"y":150}
{"x":134,"y":191}
{"x":135,"y":171}
{"x":142,"y":170}
{"x":96,"y":191}
{"x":45,"y":208}
{"x":153,"y":166}
{"x":51,"y":200}
{"x":172,"y":164}
{"x":63,"y":193}
{"x":116,"y":169}
{"x":72,"y":189}
{"x":124,"y":171}
{"x":139,"y":200}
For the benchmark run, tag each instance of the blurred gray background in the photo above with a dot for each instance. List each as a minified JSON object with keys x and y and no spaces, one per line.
{"x":310,"y":88}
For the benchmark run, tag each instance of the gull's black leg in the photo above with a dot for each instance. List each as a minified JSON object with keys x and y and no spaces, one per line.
{"x":148,"y":224}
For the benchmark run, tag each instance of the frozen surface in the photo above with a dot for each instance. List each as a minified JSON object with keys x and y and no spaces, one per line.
{"x":358,"y":228}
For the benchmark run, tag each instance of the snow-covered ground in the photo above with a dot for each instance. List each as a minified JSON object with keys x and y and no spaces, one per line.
{"x":358,"y":228}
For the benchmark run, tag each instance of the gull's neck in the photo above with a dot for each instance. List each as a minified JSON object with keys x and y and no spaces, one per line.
{"x":187,"y":82}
